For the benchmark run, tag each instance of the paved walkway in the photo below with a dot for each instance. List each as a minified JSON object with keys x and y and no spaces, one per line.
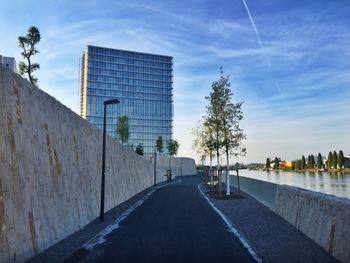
{"x":176,"y":224}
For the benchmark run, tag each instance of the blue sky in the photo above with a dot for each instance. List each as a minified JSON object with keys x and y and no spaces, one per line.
{"x":289,"y":61}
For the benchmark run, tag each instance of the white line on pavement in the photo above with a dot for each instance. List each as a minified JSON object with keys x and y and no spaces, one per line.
{"x":232,"y":229}
{"x":100,"y":237}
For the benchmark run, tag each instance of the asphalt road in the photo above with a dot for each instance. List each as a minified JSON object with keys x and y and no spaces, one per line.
{"x":175,"y":224}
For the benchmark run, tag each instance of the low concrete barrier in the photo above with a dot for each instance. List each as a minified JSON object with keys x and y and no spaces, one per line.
{"x":264,"y":192}
{"x":323,"y":218}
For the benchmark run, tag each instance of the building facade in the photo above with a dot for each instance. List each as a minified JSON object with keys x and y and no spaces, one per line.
{"x":9,"y":62}
{"x":142,"y":82}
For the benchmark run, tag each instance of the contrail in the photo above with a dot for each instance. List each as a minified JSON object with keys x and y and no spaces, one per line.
{"x":253,"y":24}
{"x":277,"y":85}
{"x":255,"y":30}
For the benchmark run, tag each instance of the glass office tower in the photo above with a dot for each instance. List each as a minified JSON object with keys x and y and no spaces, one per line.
{"x":144,"y":85}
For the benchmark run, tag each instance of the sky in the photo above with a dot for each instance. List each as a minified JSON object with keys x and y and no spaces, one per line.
{"x":289,"y":61}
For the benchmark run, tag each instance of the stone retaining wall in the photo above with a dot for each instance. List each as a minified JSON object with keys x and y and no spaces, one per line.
{"x":50,"y":170}
{"x":323,"y":218}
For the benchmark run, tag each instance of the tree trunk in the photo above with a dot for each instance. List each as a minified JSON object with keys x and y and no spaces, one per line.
{"x":29,"y":70}
{"x":227,"y":175}
{"x":238,"y":186}
{"x":211,"y":171}
{"x":218,"y":168}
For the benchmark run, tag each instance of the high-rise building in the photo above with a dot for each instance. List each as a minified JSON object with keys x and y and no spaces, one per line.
{"x":144,"y":85}
{"x":9,"y":63}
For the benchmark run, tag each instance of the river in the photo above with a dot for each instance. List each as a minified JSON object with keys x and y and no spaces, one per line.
{"x":330,"y":183}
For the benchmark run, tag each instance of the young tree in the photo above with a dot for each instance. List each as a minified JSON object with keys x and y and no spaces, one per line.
{"x":159,"y":144}
{"x":123,"y":128}
{"x":223,"y":118}
{"x":202,"y":160}
{"x":276,"y":164}
{"x":341,"y":160}
{"x":231,"y":115}
{"x":319,"y":161}
{"x":330,"y":161}
{"x":173,"y":147}
{"x":298,"y":165}
{"x":312,"y":161}
{"x":28,"y":44}
{"x":268,"y":164}
{"x":214,"y":120}
{"x":203,"y":143}
{"x":303,"y":163}
{"x":335,"y":160}
{"x":139,"y":149}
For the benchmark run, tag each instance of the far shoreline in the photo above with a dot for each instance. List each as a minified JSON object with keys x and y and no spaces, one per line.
{"x":345,"y":170}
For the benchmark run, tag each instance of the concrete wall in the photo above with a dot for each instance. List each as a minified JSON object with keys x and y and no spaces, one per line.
{"x":179,"y":165}
{"x":50,"y":170}
{"x":324,"y":218}
{"x":263,"y":191}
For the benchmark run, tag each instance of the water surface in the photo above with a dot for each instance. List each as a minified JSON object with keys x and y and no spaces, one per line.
{"x":331,"y":183}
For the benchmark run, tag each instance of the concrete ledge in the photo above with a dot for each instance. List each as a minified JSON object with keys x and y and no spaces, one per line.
{"x":323,"y":218}
{"x":264,"y":192}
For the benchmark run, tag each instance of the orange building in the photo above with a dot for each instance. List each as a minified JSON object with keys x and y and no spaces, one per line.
{"x":286,"y":164}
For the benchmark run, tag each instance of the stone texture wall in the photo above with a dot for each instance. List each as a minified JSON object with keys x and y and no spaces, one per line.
{"x":323,"y":218}
{"x":50,"y":170}
{"x":179,"y":165}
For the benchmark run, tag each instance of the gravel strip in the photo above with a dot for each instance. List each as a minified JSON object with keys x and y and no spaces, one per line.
{"x":273,"y":238}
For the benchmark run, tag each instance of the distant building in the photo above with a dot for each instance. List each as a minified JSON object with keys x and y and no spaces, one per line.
{"x":9,"y":63}
{"x":286,"y":164}
{"x":144,"y":85}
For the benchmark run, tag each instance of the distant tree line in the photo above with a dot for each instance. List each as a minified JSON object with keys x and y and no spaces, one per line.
{"x":122,"y":133}
{"x":276,"y":164}
{"x":335,"y":161}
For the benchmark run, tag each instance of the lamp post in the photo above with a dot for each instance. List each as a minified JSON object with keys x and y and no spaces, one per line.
{"x":102,"y":207}
{"x":155,"y":165}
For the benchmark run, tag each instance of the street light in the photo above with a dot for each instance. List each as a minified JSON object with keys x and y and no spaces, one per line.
{"x":102,"y":207}
{"x":155,"y":165}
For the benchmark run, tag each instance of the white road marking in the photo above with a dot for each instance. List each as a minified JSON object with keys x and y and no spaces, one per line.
{"x":232,"y":229}
{"x":100,"y":237}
